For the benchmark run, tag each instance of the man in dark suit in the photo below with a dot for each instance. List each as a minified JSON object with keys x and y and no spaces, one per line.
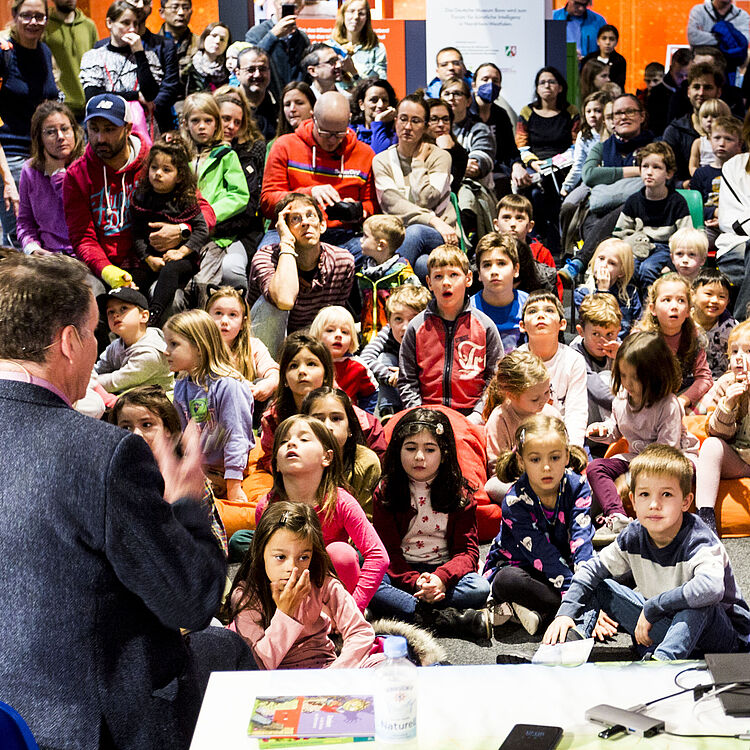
{"x":103,"y":561}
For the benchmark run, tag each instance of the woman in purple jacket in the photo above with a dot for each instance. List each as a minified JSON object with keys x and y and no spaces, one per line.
{"x":56,"y":142}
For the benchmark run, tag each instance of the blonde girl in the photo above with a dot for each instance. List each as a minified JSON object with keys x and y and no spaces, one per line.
{"x":701,"y":152}
{"x":725,"y":454}
{"x":645,"y":378}
{"x":286,"y":597}
{"x":211,"y":392}
{"x":231,"y":313}
{"x":546,"y":530}
{"x":334,"y":326}
{"x":221,"y":181}
{"x":610,"y":271}
{"x":667,"y":312}
{"x":307,"y":469}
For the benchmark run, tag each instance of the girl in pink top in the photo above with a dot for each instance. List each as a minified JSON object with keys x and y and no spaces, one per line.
{"x":307,"y":469}
{"x":286,"y":598}
{"x":645,"y":411}
{"x":668,"y":313}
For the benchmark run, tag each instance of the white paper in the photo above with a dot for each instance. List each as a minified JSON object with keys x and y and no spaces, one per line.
{"x":570,"y":654}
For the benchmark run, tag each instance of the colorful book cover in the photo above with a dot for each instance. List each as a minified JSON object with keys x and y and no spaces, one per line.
{"x":313,"y":716}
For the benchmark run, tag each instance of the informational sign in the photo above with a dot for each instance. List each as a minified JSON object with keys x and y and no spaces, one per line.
{"x":509,"y":33}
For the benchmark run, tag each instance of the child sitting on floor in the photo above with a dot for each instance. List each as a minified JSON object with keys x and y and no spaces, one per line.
{"x":711,"y":291}
{"x":137,"y":356}
{"x":687,"y":601}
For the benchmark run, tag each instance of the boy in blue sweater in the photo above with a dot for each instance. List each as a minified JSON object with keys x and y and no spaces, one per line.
{"x":688,"y":602}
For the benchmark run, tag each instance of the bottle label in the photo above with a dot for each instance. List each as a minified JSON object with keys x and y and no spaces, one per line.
{"x":396,"y":713}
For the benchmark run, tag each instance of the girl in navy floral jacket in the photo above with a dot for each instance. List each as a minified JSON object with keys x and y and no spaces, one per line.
{"x":546,"y":530}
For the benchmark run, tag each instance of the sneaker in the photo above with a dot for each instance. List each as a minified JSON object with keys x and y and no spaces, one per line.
{"x":501,"y":613}
{"x":569,"y":272}
{"x":512,"y":659}
{"x":603,"y":536}
{"x":529,"y":619}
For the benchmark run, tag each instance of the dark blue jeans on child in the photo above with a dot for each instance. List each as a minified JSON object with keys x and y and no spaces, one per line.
{"x":687,"y":634}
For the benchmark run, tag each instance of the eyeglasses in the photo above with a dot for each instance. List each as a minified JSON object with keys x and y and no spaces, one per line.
{"x":178,"y":8}
{"x":29,"y":17}
{"x":452,"y":94}
{"x":415,"y":121}
{"x":254,"y":69}
{"x":329,"y":133}
{"x":333,"y":62}
{"x":434,"y":120}
{"x":50,"y":132}
{"x":632,"y":112}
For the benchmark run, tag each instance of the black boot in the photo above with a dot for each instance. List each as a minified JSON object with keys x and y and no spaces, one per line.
{"x":471,"y":623}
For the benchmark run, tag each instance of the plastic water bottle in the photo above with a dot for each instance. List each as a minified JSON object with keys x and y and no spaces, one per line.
{"x":396,"y":697}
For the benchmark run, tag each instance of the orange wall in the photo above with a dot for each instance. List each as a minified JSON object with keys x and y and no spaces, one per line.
{"x":204,"y":11}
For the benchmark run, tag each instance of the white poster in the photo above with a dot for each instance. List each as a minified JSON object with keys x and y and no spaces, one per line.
{"x":509,"y":33}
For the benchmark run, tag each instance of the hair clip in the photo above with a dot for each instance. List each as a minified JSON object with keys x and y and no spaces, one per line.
{"x":439,"y":429}
{"x":522,"y":436}
{"x":284,"y":518}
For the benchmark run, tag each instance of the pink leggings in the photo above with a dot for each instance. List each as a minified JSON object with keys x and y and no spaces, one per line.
{"x":717,"y":460}
{"x":346,"y":562}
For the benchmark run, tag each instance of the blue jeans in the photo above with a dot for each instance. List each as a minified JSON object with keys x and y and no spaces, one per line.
{"x":687,"y":633}
{"x":388,"y":396}
{"x":470,"y":592}
{"x":269,"y":324}
{"x":345,"y":238}
{"x":8,"y":218}
{"x":648,"y":270}
{"x":419,"y":241}
{"x":734,"y":265}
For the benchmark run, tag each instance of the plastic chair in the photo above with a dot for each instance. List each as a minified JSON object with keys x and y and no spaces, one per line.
{"x":14,"y":731}
{"x":695,"y":206}
{"x":459,"y":226}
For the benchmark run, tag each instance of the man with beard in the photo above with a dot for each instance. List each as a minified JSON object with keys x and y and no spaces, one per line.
{"x":69,"y":34}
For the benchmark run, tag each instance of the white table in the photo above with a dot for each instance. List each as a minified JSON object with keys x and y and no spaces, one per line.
{"x":470,"y":708}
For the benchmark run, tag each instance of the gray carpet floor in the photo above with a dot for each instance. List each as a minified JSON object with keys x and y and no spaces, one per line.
{"x":513,"y":639}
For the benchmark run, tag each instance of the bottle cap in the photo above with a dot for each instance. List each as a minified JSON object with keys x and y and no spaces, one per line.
{"x":395,"y":646}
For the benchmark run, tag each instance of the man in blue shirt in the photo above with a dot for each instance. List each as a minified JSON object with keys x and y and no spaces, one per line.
{"x":583,"y":25}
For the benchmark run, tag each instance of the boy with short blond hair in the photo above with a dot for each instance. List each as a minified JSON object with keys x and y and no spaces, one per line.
{"x":687,"y":601}
{"x":688,"y":248}
{"x":381,"y":354}
{"x":542,"y":320}
{"x":138,"y":355}
{"x":497,"y":267}
{"x":449,"y":351}
{"x":383,"y":270}
{"x":598,"y":327}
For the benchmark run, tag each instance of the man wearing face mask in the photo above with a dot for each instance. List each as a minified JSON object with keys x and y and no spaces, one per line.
{"x":508,"y":164}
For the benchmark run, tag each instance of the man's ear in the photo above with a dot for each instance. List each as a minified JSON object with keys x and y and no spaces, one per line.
{"x":310,"y":69}
{"x":579,"y":329}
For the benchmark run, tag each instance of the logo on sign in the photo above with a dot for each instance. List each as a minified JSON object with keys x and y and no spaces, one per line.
{"x":511,"y":50}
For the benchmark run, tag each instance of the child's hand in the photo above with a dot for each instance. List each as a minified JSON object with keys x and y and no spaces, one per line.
{"x":430,"y":588}
{"x":154,"y":263}
{"x":602,"y":277}
{"x":611,"y":347}
{"x":605,"y":626}
{"x":290,"y":594}
{"x":557,"y":630}
{"x":262,"y":390}
{"x":734,"y":391}
{"x":597,"y":429}
{"x":235,"y":491}
{"x":642,"y":628}
{"x":393,"y":377}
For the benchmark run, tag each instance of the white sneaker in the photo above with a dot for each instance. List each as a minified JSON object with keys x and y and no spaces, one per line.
{"x":529,"y":619}
{"x":501,"y":613}
{"x":603,"y":536}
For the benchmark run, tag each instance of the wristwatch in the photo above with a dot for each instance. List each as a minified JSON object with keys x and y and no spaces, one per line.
{"x":185,"y":231}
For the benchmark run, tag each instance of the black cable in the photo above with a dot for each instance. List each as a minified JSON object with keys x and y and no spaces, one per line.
{"x":666,"y":697}
{"x":717,"y":736}
{"x":689,"y":669}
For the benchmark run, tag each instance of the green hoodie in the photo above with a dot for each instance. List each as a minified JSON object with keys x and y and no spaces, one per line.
{"x":68,"y":42}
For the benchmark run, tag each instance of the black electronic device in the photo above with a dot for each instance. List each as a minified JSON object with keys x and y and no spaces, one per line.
{"x":288,"y":9}
{"x":532,"y":737}
{"x":725,"y":670}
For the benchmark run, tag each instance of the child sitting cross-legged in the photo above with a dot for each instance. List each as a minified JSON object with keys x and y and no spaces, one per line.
{"x":542,"y":321}
{"x":138,"y":355}
{"x":497,"y":266}
{"x":711,"y":290}
{"x":597,"y":343}
{"x":381,"y":354}
{"x":653,"y":214}
{"x":546,"y":531}
{"x":383,"y":270}
{"x":449,"y":351}
{"x":687,"y":601}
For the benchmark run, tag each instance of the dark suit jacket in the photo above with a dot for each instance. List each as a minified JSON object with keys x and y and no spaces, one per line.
{"x":98,"y":574}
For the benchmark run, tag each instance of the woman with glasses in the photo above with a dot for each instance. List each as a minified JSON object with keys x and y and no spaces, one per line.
{"x":547,"y":127}
{"x":27,"y":80}
{"x":373,"y":106}
{"x":440,"y":127}
{"x":56,"y":142}
{"x":354,"y":36}
{"x":476,"y":196}
{"x":412,"y":181}
{"x":610,"y":171}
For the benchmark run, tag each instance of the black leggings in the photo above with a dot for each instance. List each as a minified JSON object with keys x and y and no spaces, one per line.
{"x":173,"y":276}
{"x":527,"y":587}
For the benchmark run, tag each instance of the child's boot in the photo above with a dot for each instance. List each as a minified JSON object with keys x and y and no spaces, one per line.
{"x":529,"y":619}
{"x":708,"y":516}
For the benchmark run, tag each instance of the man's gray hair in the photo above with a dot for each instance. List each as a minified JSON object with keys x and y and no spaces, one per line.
{"x":39,"y":296}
